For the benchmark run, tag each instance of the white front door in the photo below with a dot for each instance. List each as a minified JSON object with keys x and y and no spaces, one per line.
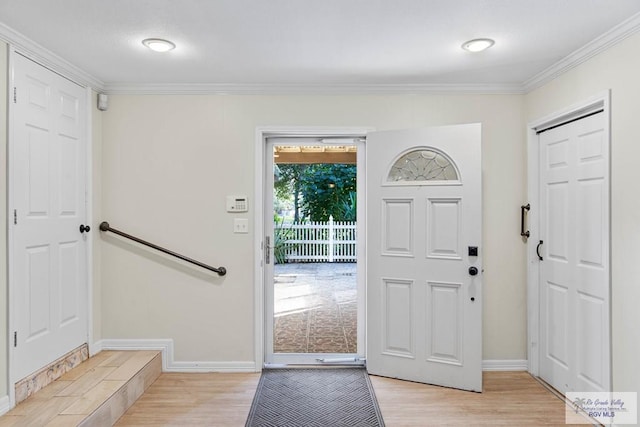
{"x":574,"y":246}
{"x":424,"y":260}
{"x":47,"y":207}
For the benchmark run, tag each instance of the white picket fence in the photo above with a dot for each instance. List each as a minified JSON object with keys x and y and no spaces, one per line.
{"x":331,"y":241}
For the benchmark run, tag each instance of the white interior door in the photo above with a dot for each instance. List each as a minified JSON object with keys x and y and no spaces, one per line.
{"x":49,"y":265}
{"x":574,"y":271}
{"x":424,"y":217}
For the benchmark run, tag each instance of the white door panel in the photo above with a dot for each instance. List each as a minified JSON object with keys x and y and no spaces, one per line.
{"x":48,"y":195}
{"x":397,"y":230}
{"x":574,"y":272}
{"x":397,"y":317}
{"x":445,"y":320}
{"x":424,"y":315}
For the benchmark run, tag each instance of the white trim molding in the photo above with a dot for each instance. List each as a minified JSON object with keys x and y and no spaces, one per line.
{"x":5,"y":405}
{"x":505,"y":365}
{"x":312,"y":89}
{"x":94,"y":348}
{"x":169,"y":364}
{"x":261,"y":134}
{"x":48,"y":59}
{"x":88,"y":191}
{"x":612,"y":37}
{"x":213,"y":367}
{"x":600,"y":100}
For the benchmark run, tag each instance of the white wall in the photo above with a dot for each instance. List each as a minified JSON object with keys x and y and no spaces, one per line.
{"x":3,"y":218}
{"x":96,"y":212}
{"x":169,"y":161}
{"x":617,"y":69}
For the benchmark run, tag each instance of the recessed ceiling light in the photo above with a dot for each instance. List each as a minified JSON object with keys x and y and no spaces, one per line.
{"x":159,"y":45}
{"x":478,"y":45}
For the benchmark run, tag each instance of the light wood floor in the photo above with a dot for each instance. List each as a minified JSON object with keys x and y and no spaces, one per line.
{"x":509,"y":398}
{"x":79,"y":393}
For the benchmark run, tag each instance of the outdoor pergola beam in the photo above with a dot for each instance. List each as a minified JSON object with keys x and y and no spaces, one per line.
{"x":309,"y":158}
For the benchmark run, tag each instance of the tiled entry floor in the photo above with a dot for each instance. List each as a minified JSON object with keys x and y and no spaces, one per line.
{"x":315,"y":308}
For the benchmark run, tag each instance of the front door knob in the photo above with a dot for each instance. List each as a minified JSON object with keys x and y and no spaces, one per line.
{"x":473,"y":271}
{"x":84,"y":228}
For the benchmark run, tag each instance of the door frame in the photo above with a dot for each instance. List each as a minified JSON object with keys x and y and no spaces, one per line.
{"x":261,"y":135}
{"x":88,"y":132}
{"x":599,"y":101}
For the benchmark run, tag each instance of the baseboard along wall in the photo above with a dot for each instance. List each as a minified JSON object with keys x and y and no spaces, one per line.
{"x":5,"y":405}
{"x":505,"y":365}
{"x":169,"y":364}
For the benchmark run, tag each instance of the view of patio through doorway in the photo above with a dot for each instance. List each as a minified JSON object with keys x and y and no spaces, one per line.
{"x":314,"y":244}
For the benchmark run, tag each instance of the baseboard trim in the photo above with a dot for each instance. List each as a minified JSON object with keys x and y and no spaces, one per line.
{"x":213,"y":367}
{"x":169,"y":364}
{"x":505,"y":365}
{"x":165,"y":346}
{"x":95,"y":348}
{"x":5,"y":405}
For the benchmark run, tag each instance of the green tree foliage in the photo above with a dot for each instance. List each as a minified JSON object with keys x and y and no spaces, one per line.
{"x":287,"y":185}
{"x":319,"y":190}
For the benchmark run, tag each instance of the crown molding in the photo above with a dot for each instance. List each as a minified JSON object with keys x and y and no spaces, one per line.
{"x":612,"y":37}
{"x":38,"y":53}
{"x":309,"y":89}
{"x":45,"y":57}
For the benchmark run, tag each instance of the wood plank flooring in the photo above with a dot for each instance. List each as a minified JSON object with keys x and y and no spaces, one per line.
{"x":224,"y":399}
{"x":205,"y":399}
{"x":88,"y":394}
{"x":221,"y":400}
{"x":508,"y":398}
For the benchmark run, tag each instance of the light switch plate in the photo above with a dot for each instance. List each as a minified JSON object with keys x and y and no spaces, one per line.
{"x":241,"y":225}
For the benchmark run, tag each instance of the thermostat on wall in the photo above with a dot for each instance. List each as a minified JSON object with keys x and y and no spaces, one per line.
{"x":237,"y":204}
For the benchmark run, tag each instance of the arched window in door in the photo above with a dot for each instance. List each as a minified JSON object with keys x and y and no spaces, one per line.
{"x":423,"y":165}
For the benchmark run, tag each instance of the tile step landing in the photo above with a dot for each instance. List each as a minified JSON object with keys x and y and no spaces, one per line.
{"x":95,"y":393}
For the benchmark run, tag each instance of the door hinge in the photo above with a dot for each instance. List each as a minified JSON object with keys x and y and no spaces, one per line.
{"x":15,"y":95}
{"x":15,"y":217}
{"x":15,"y":339}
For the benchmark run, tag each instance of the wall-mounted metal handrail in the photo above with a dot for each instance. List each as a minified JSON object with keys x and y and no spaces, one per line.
{"x":104,"y":226}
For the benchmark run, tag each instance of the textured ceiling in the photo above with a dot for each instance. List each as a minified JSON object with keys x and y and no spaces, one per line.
{"x":313,"y":42}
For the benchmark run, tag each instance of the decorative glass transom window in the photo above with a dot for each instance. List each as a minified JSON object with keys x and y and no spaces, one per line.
{"x":422,"y":164}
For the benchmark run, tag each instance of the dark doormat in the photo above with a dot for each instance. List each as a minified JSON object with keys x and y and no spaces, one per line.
{"x":320,"y":397}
